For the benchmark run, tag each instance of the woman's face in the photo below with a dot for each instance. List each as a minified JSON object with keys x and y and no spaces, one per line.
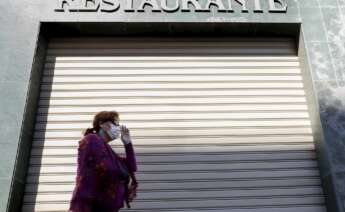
{"x":109,"y":130}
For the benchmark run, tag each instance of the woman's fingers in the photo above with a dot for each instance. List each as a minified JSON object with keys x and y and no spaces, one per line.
{"x":125,"y":129}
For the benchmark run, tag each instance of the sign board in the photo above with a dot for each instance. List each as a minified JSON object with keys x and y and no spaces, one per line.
{"x":170,"y":6}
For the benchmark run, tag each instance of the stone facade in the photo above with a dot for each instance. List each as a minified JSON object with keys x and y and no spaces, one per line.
{"x":322,"y":25}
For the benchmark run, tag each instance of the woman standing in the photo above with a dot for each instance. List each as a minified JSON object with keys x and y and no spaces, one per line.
{"x":98,"y":182}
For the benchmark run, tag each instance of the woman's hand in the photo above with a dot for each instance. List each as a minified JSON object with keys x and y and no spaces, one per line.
{"x":125,"y":136}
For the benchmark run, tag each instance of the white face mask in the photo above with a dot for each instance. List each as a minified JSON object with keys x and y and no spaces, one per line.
{"x":113,"y":132}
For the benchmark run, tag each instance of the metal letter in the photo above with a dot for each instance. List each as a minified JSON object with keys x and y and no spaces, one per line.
{"x":230,"y":7}
{"x":110,"y":5}
{"x":195,"y":3}
{"x":218,"y":3}
{"x":273,"y":7}
{"x":164,"y":6}
{"x":129,"y":6}
{"x":257,"y":7}
{"x":90,"y":5}
{"x":152,"y":3}
{"x":72,"y":5}
{"x":243,"y":3}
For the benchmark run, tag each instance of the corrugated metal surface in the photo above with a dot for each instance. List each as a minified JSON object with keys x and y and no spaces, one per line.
{"x":218,"y":125}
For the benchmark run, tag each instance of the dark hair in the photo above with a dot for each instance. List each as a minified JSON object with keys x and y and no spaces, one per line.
{"x":102,"y":116}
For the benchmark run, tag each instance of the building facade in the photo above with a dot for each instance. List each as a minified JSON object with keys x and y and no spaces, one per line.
{"x":248,"y":96}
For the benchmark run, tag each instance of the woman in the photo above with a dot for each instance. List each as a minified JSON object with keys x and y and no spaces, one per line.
{"x":98,"y":185}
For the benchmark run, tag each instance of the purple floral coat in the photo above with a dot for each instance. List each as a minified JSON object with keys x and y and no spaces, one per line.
{"x":97,"y":185}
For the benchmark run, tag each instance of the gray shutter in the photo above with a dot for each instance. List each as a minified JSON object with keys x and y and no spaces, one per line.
{"x":217,"y":125}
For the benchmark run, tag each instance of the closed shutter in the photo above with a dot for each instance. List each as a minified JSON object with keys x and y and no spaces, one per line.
{"x":217,"y":124}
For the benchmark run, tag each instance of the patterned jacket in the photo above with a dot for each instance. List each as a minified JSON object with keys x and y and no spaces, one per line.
{"x":98,"y":187}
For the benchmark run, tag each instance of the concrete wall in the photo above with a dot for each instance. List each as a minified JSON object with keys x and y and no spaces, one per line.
{"x":322,"y":47}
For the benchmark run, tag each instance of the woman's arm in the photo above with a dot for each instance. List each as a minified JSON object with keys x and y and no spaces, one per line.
{"x":130,"y":154}
{"x":130,"y":157}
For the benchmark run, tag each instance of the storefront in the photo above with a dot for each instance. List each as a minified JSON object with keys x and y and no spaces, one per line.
{"x":232,"y":105}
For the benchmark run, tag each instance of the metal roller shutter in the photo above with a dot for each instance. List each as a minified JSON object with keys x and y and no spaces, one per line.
{"x":217,"y":125}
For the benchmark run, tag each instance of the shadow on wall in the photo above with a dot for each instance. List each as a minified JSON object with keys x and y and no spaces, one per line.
{"x":332,"y":112}
{"x":332,"y":109}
